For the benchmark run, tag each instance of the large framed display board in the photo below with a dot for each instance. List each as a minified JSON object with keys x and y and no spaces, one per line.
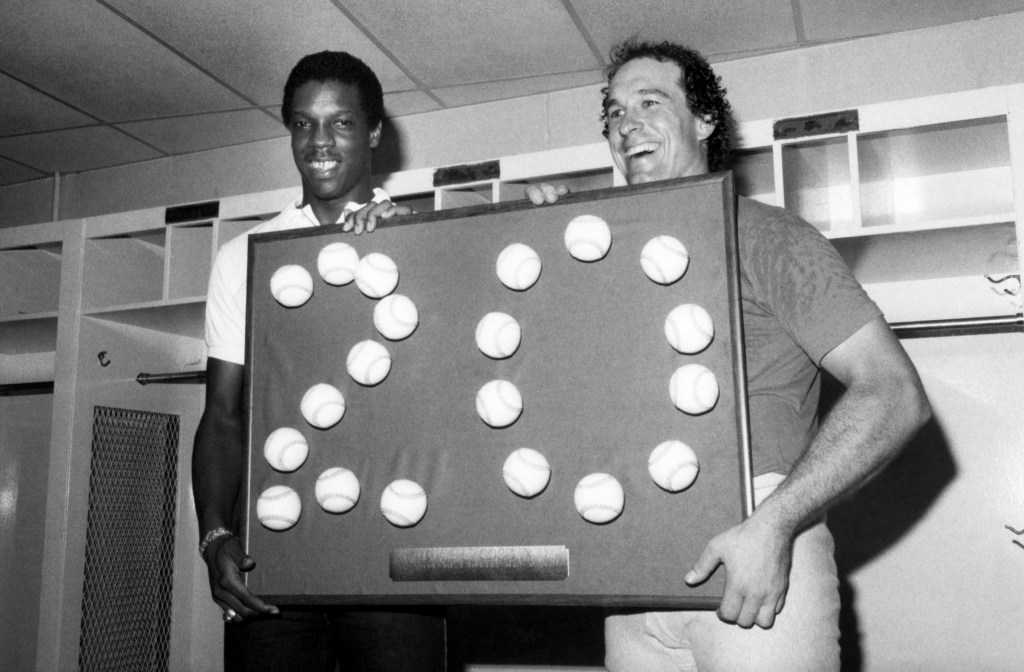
{"x":594,"y":384}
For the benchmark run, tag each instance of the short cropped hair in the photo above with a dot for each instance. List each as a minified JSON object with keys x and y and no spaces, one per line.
{"x":341,"y":67}
{"x":704,"y":92}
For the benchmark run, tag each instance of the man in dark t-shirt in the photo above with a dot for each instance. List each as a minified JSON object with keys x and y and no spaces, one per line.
{"x":666,"y":117}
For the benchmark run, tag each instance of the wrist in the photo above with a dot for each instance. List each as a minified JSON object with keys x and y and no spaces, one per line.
{"x":212,"y":536}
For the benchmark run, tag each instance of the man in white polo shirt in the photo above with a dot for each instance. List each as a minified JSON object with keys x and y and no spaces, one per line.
{"x":333,"y":107}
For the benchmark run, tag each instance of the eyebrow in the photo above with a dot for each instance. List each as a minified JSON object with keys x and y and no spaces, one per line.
{"x":641,"y":92}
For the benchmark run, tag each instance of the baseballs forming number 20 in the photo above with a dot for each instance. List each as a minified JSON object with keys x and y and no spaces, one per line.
{"x":368,"y":362}
{"x":599,"y":498}
{"x":499,"y":403}
{"x":403,"y":503}
{"x":694,"y":389}
{"x":323,"y":406}
{"x":518,"y":266}
{"x":337,"y":490}
{"x":588,"y":238}
{"x":291,"y":285}
{"x":278,"y":507}
{"x":526,"y":472}
{"x":285,"y":449}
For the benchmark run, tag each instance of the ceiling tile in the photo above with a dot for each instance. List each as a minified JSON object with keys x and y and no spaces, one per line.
{"x":75,"y":150}
{"x":825,"y":20}
{"x":252,"y":45}
{"x":472,"y":94}
{"x":409,"y":102}
{"x":453,"y":42}
{"x":207,"y":131}
{"x":11,"y":172}
{"x":26,"y":110}
{"x":713,"y":28}
{"x":87,"y":56}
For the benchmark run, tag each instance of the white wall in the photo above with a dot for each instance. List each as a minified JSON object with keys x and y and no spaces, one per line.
{"x":957,"y":57}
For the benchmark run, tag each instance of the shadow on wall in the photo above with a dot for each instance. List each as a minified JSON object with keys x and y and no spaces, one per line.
{"x":882,"y":512}
{"x":389,"y":157}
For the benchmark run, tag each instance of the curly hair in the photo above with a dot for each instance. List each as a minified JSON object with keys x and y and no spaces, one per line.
{"x":704,"y":92}
{"x":338,"y":66}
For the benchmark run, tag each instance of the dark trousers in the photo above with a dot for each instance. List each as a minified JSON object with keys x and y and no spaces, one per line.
{"x":329,"y":639}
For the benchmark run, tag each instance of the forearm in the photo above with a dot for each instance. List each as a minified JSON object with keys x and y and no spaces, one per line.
{"x":865,"y":430}
{"x":217,"y":466}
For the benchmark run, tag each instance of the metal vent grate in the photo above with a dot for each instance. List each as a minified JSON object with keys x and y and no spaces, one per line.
{"x":129,"y":552}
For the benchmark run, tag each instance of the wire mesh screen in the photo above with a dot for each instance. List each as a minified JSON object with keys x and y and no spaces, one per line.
{"x":126,"y":614}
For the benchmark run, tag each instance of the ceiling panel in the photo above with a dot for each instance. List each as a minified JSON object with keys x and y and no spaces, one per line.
{"x":713,"y":28}
{"x":489,"y":91}
{"x":826,"y":20}
{"x":194,"y":133}
{"x":451,"y":42}
{"x":409,"y":102}
{"x":251,"y":45}
{"x":75,"y":150}
{"x":25,"y":110}
{"x":83,"y":54}
{"x":11,"y":172}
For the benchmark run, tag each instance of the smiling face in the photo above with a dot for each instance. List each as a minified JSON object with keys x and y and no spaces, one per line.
{"x":331,"y":144}
{"x":652,"y":133}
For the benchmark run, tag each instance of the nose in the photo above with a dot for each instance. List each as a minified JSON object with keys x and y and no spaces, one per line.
{"x":629,"y":122}
{"x":322,"y":137}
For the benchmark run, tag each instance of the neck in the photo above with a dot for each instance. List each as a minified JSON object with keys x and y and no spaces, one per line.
{"x":329,"y":212}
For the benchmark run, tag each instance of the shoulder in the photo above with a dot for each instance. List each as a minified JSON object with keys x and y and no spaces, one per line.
{"x":236,"y":250}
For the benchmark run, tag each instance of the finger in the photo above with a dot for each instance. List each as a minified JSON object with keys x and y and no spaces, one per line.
{"x":550,"y":192}
{"x":703,"y":568}
{"x":766,"y":616}
{"x":535,"y":195}
{"x":562,"y":189}
{"x":349,"y":222}
{"x":731,"y":606}
{"x":371,"y":222}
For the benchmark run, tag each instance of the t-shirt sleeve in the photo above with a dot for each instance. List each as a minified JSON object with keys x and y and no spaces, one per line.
{"x":806,"y":284}
{"x":225,"y":306}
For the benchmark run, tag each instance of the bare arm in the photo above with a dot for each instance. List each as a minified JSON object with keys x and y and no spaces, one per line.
{"x":218,"y":465}
{"x":882,"y":408}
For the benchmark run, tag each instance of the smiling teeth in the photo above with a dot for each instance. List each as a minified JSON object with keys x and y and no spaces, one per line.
{"x":640,"y":149}
{"x":323,"y":165}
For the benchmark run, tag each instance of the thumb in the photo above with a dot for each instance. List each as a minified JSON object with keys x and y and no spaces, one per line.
{"x":703,"y":568}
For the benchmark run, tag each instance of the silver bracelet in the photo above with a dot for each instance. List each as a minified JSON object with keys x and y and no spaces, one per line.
{"x":215,"y":533}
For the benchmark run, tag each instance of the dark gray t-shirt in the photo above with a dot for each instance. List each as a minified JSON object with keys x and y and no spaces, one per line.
{"x":799,"y":301}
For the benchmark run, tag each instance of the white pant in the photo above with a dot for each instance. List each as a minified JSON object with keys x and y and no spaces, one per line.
{"x":805,"y":636}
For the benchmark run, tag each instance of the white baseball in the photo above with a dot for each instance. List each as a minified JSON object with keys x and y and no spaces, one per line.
{"x":286,"y":449}
{"x":291,"y":285}
{"x":673,"y":465}
{"x":396,"y":317}
{"x":518,"y":266}
{"x":694,"y":389}
{"x":588,"y":238}
{"x":368,"y":362}
{"x":278,"y":507}
{"x":322,"y":405}
{"x":376,"y":275}
{"x":526,"y":472}
{"x":599,"y":498}
{"x":498,"y":335}
{"x":664,"y":259}
{"x":337,"y":263}
{"x":403,"y":503}
{"x":337,"y":490}
{"x":689,"y":328}
{"x":499,"y":403}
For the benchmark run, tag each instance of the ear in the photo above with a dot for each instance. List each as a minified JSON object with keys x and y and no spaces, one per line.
{"x":705,"y":127}
{"x":375,"y":136}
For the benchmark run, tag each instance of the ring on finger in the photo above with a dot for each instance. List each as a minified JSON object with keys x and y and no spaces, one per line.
{"x":229,"y":615}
